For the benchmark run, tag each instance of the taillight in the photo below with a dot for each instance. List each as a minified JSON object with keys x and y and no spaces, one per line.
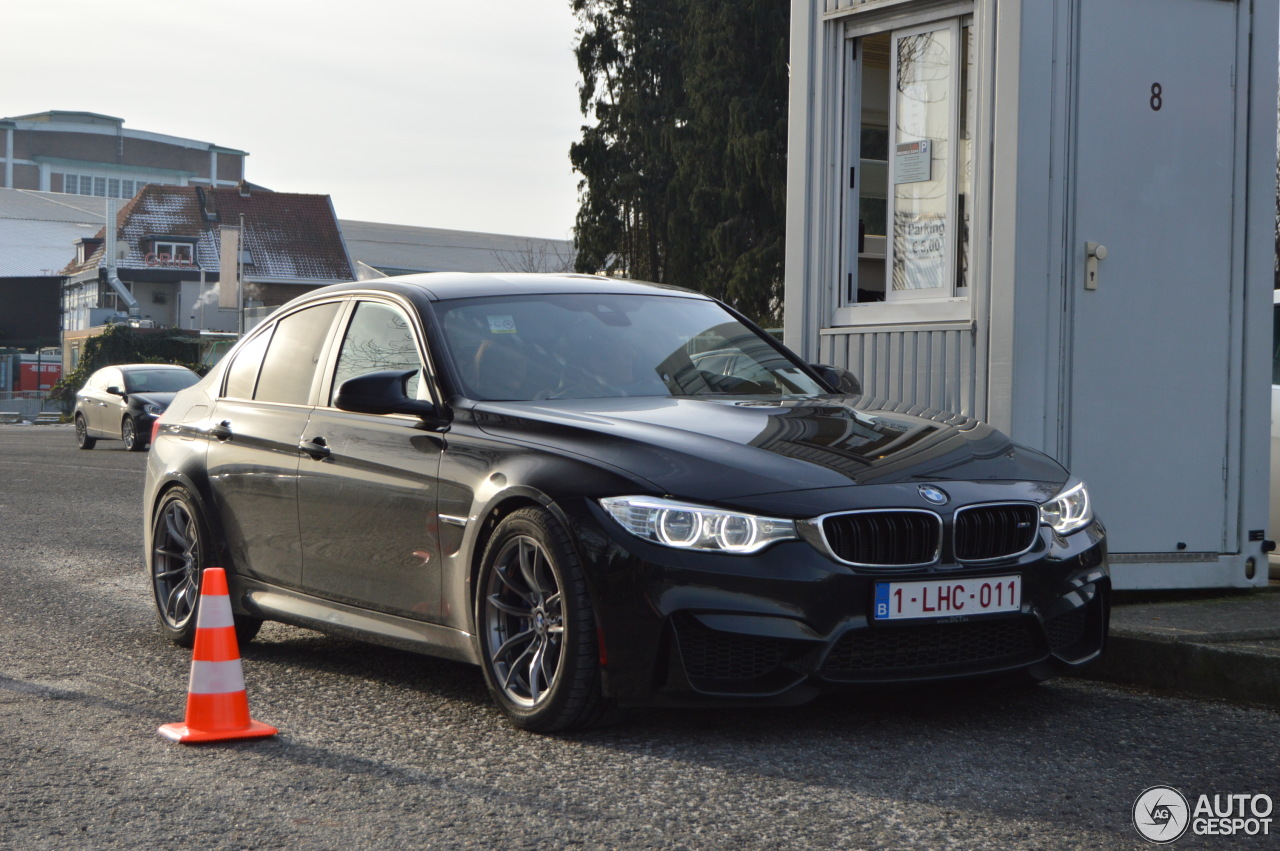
{"x":155,"y":428}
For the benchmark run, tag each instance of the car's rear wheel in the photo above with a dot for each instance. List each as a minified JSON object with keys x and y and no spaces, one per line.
{"x":180,"y":553}
{"x":535,"y":626}
{"x":83,"y":440}
{"x":129,"y":434}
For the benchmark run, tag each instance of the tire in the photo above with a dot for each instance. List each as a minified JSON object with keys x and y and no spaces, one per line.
{"x":83,"y":440}
{"x":536,"y":629}
{"x":133,"y":441}
{"x":180,"y":553}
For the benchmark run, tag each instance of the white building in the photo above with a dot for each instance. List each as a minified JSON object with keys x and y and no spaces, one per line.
{"x":1054,"y":215}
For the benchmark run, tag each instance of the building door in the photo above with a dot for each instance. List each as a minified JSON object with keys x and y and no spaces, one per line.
{"x":1148,"y":415}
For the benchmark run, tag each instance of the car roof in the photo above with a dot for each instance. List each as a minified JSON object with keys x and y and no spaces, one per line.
{"x":140,"y":366}
{"x":441,"y":286}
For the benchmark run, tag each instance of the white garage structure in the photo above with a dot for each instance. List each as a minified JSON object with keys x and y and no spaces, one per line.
{"x":1055,"y":215}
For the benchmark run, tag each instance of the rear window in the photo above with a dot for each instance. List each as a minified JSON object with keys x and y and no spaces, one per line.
{"x":159,"y":380}
{"x":242,"y":375}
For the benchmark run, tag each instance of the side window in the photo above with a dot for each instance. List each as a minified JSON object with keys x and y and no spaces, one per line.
{"x":290,"y":363}
{"x":242,"y":375}
{"x":379,"y":337}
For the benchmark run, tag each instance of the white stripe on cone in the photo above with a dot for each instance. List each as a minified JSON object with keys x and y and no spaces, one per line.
{"x":215,"y":612}
{"x":216,"y":677}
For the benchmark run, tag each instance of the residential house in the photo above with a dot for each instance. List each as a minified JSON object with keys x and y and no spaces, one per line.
{"x":162,"y":265}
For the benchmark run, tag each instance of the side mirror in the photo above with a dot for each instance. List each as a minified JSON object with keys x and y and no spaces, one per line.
{"x":838,"y":378}
{"x":384,"y":393}
{"x":115,"y":391}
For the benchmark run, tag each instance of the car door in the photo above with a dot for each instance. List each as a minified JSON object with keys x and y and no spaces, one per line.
{"x":103,"y":421}
{"x":100,"y":399}
{"x":367,"y":491}
{"x":87,"y":402}
{"x":266,"y":397}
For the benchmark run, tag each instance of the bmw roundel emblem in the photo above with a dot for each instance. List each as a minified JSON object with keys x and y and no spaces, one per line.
{"x":935,"y":495}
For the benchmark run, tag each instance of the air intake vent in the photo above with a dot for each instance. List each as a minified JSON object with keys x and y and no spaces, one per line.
{"x":867,"y":653}
{"x":884,"y":538}
{"x":991,"y":532}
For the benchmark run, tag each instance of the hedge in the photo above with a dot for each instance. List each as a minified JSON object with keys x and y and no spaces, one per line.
{"x":122,"y":344}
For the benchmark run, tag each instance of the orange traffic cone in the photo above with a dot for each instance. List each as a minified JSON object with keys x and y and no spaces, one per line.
{"x":217,"y":706}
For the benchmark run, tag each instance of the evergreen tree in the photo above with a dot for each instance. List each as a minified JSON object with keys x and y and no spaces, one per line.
{"x":631,"y":87}
{"x":684,"y":169}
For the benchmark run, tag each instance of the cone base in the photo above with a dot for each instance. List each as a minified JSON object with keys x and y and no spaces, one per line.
{"x":189,"y":735}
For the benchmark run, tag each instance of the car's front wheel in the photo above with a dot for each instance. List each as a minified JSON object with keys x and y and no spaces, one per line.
{"x":180,"y":552}
{"x":83,"y":440}
{"x":535,"y":626}
{"x":129,"y":434}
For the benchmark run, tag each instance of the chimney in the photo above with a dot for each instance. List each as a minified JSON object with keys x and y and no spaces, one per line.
{"x":244,"y":189}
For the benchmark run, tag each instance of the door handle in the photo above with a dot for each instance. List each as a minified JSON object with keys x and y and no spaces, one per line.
{"x":222,"y":431}
{"x":1093,"y":252}
{"x":316,"y":448}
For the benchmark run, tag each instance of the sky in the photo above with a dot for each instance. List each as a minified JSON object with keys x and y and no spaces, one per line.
{"x":438,"y":113}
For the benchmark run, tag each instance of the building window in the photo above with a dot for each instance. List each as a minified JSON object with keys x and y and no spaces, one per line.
{"x":108,"y":298}
{"x":908,"y":147}
{"x":178,"y":254}
{"x":103,"y":187}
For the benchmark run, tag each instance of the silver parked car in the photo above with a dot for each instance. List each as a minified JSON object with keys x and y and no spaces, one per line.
{"x":121,"y":402}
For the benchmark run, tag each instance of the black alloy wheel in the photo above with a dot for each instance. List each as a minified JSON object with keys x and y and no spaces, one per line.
{"x":129,"y":434}
{"x":179,"y":555}
{"x":83,"y":440}
{"x":535,"y":627}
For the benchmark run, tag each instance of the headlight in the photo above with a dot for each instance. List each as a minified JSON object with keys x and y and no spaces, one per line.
{"x":154,"y":409}
{"x":695,"y":527}
{"x":1069,"y":511}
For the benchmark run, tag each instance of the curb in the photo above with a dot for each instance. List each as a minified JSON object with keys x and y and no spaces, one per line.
{"x":1232,"y":670}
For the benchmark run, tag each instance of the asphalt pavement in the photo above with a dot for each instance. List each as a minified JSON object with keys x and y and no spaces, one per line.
{"x":384,"y":749}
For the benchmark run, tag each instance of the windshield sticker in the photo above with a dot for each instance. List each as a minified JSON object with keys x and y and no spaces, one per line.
{"x":502,"y":325}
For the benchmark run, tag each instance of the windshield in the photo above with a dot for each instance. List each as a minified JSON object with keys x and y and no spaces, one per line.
{"x":584,"y":346}
{"x":158,"y":380}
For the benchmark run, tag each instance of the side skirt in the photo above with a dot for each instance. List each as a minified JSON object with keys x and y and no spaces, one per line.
{"x":293,"y":607}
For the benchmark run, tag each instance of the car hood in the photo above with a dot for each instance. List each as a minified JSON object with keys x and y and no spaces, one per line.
{"x":718,"y":449}
{"x":163,"y":400}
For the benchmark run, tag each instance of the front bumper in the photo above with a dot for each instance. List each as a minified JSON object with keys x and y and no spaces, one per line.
{"x":784,"y":625}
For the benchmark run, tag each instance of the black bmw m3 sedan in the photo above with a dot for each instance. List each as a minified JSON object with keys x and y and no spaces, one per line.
{"x":607,"y":493}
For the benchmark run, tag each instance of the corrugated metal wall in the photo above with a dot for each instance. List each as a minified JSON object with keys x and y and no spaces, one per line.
{"x":931,"y":366}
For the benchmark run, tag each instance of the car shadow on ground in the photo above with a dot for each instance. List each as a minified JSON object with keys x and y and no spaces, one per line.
{"x":931,"y":707}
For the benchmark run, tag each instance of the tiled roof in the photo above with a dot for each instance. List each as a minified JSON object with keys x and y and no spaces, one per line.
{"x":289,"y":237}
